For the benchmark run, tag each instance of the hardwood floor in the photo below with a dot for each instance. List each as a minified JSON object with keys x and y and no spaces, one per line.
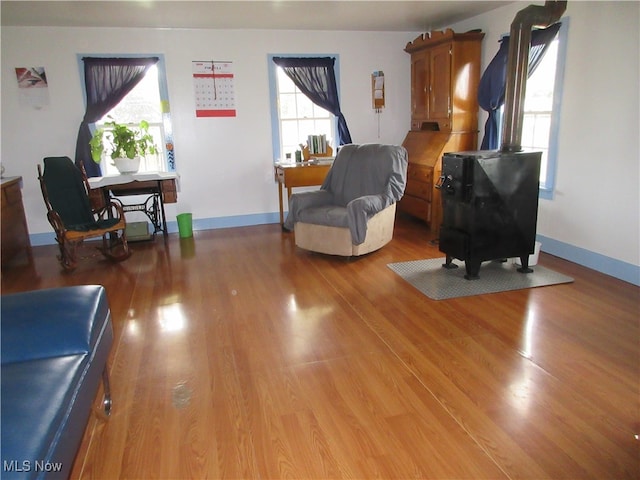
{"x":237,"y":355}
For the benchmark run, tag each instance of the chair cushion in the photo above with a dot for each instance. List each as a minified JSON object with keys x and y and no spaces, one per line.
{"x":331,"y":215}
{"x":94,"y":225}
{"x":337,"y":241}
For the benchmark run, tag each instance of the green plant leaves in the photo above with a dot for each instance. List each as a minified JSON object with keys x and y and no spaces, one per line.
{"x":123,"y":140}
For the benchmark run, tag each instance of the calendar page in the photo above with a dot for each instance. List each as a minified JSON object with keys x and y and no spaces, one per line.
{"x":213,"y":88}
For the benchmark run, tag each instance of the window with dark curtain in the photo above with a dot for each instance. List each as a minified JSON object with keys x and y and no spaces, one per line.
{"x":316,"y":78}
{"x":107,"y":82}
{"x":491,"y":89}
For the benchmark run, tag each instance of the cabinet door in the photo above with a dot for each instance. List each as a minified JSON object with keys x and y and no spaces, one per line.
{"x":419,"y":85}
{"x":440,"y":85}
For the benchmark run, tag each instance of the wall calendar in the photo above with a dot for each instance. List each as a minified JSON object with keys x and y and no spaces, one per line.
{"x":214,"y":89}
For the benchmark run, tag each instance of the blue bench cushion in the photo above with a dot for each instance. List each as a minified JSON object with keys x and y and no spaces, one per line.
{"x":52,"y":322}
{"x":46,"y":387}
{"x":55,"y":345}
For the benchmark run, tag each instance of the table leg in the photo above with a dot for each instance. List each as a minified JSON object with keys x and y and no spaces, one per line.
{"x":280,"y":202}
{"x":164,"y":216}
{"x":289,"y":192}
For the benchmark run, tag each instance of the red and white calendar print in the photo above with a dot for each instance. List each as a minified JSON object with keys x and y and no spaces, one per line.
{"x":214,"y":90}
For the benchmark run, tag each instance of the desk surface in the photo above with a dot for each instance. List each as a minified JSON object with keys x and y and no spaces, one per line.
{"x":97,"y":182}
{"x":309,"y":163}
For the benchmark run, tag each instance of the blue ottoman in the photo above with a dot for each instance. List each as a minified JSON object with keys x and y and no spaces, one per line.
{"x":55,"y":345}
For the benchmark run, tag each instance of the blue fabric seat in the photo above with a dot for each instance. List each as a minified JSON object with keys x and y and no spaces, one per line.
{"x":55,"y":345}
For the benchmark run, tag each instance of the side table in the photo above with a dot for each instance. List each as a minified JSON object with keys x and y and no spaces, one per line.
{"x":298,"y":175}
{"x":160,"y":187}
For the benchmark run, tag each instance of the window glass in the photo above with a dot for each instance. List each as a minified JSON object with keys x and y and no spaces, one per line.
{"x":148,"y":100}
{"x":295,"y":117}
{"x":538,"y":108}
{"x":542,"y":109}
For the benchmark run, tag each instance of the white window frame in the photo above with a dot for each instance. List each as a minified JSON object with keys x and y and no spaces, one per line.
{"x":547,"y":184}
{"x":166,"y":130}
{"x":276,"y":138}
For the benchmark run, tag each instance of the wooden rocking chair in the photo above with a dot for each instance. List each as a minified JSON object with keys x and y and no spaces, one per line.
{"x":65,"y":190}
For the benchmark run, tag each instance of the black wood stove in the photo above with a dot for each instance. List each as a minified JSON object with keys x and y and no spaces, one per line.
{"x":490,"y":198}
{"x":490,"y":207}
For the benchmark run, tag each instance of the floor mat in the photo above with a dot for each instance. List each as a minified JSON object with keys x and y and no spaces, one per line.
{"x":439,"y":283}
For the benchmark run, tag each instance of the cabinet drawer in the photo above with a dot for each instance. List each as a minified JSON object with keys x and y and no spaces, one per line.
{"x":418,"y":189}
{"x":302,"y":175}
{"x":169,"y":191}
{"x":417,"y":207}
{"x":421,"y":173}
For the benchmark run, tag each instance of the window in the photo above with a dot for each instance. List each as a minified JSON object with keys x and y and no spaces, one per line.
{"x":294,"y":117}
{"x":146,"y":101}
{"x":542,"y":109}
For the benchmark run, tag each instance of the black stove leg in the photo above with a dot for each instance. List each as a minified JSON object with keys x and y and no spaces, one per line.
{"x":473,"y":269}
{"x":524,"y":262}
{"x":449,"y":265}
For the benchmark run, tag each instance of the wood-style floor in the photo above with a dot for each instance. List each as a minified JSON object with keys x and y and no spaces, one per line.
{"x":237,"y":355}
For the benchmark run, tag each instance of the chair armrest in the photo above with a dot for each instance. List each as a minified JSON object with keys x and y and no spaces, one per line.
{"x":302,"y":200}
{"x":56,"y":222}
{"x":360,"y":210}
{"x":371,"y":204}
{"x":114,"y":206}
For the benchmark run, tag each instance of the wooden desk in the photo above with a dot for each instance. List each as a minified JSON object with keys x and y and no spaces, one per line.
{"x":159,"y":186}
{"x":15,"y":235}
{"x":298,"y":175}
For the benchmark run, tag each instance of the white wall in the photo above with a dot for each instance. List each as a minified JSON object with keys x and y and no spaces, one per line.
{"x":597,"y":204}
{"x":225,"y":165}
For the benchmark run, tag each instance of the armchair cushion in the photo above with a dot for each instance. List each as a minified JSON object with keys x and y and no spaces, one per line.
{"x":363,"y":180}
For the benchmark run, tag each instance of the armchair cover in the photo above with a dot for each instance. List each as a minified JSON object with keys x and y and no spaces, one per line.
{"x":363,"y":181}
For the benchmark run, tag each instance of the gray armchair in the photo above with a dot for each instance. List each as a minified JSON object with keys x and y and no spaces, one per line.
{"x":353,"y":213}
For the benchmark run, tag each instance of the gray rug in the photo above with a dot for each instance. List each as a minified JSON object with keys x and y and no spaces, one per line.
{"x":438,"y":283}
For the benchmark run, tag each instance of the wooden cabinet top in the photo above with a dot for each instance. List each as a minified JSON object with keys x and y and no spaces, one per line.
{"x":6,"y":181}
{"x":430,"y":39}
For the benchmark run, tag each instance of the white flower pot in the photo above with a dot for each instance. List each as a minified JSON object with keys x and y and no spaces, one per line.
{"x":127,"y":165}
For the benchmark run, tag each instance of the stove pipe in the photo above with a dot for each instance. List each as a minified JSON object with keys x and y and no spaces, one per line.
{"x":518,"y":66}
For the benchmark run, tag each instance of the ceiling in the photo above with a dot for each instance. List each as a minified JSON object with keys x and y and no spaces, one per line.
{"x":360,"y":15}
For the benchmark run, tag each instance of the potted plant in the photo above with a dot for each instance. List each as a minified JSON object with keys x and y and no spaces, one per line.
{"x":127,"y":144}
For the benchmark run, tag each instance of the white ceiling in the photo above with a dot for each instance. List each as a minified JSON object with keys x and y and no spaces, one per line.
{"x":395,"y":15}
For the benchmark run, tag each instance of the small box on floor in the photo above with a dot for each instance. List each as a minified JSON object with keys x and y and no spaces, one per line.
{"x":138,"y":231}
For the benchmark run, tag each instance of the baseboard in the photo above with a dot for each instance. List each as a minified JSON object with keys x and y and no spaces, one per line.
{"x":595,"y":261}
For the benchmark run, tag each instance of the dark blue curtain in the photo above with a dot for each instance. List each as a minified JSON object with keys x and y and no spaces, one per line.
{"x":316,"y":78}
{"x":491,"y":90}
{"x":107,"y":82}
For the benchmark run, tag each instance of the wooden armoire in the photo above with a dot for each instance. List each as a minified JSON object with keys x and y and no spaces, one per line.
{"x":445,"y":72}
